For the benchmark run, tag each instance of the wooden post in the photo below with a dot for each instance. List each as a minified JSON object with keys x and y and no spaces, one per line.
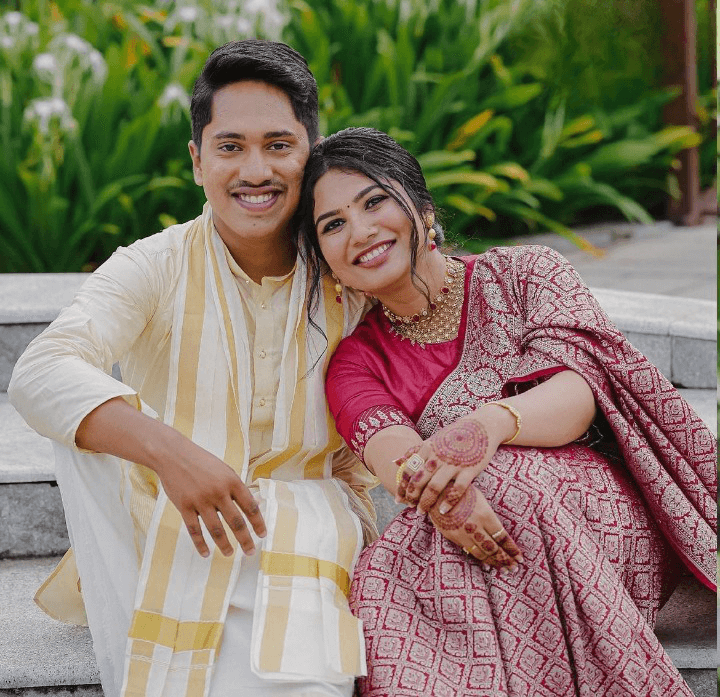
{"x":679,"y":46}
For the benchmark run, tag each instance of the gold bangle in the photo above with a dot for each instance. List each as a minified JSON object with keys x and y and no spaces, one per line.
{"x":515,"y":413}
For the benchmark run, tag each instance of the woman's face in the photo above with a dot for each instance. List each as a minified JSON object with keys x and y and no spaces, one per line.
{"x":363,"y":232}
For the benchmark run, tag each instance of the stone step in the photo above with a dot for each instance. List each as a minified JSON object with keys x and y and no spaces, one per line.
{"x":41,"y":656}
{"x":32,"y":522}
{"x":677,"y":334}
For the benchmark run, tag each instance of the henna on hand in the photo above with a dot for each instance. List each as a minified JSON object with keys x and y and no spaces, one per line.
{"x":463,"y":443}
{"x":455,"y":518}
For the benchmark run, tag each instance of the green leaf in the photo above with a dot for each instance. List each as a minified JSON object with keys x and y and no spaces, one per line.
{"x":481,"y":179}
{"x":438,"y":159}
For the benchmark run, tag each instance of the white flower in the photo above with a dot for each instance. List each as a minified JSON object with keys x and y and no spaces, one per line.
{"x":32,"y":28}
{"x":42,"y":111}
{"x":76,"y":44}
{"x":174,"y":94}
{"x":14,"y":19}
{"x":45,"y":65}
{"x":187,"y":14}
{"x":243,"y":26}
{"x":7,"y":42}
{"x":98,"y":66}
{"x":224,"y":21}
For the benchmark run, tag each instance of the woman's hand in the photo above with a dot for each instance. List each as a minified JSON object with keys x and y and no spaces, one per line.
{"x":473,"y":525}
{"x":457,"y":454}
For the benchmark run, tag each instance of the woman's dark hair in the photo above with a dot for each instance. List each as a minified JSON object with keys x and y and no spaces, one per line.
{"x":256,"y":59}
{"x":377,"y":156}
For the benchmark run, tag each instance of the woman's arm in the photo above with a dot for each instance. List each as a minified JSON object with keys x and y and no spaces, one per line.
{"x":554,"y":413}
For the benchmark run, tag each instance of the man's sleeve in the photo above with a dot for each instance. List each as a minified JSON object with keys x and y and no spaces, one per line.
{"x":65,"y":372}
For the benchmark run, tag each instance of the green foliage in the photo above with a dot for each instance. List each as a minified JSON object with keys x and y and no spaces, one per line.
{"x":521,"y":117}
{"x":506,"y":146}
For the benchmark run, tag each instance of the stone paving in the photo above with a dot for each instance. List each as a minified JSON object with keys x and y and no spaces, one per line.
{"x":658,"y":258}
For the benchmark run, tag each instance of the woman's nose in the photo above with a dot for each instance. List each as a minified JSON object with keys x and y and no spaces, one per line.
{"x":362,"y":232}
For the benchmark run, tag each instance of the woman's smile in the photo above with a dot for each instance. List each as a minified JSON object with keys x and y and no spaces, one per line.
{"x":375,"y":255}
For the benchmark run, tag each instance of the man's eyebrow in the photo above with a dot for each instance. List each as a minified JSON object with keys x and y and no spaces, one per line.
{"x":229,"y":135}
{"x":232,"y":135}
{"x":358,"y":196}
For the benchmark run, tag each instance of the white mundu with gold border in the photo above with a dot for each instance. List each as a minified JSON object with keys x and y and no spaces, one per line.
{"x":248,"y":386}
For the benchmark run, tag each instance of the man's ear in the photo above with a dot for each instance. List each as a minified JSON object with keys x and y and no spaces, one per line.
{"x":197,"y":167}
{"x":318,"y":140}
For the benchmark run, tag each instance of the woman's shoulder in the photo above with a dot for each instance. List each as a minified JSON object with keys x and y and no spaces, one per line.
{"x":518,"y":258}
{"x":364,"y":341}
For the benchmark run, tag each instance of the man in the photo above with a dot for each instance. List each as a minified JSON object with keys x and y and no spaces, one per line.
{"x":219,"y":435}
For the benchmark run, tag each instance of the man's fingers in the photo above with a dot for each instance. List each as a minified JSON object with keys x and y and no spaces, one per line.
{"x":217,"y":531}
{"x":236,"y":523}
{"x":250,"y":508}
{"x":192,"y":523}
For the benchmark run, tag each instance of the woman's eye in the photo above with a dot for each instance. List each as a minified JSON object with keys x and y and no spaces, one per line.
{"x":331,"y":226}
{"x":375,"y":201}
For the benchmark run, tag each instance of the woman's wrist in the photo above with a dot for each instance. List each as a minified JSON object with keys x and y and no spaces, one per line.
{"x":500,"y":423}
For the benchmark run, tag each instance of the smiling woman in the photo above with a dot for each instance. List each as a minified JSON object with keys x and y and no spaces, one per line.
{"x":493,"y":393}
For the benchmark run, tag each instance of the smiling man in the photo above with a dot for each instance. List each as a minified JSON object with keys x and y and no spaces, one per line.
{"x":218,"y":438}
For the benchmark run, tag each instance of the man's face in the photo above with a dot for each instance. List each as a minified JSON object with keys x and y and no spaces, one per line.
{"x":251,"y":161}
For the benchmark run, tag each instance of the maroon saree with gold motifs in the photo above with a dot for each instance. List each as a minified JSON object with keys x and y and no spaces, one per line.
{"x":601,"y":528}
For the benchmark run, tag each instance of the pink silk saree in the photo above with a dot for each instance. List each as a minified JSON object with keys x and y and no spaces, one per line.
{"x":601,"y":528}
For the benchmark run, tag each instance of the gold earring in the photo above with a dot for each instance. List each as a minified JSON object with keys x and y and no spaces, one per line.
{"x":431,"y":235}
{"x":338,"y":289}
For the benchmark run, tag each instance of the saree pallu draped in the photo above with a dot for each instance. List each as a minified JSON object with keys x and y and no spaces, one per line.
{"x":129,"y":539}
{"x":597,"y":532}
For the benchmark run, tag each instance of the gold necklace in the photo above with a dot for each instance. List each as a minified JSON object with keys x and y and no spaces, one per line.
{"x":440,"y":320}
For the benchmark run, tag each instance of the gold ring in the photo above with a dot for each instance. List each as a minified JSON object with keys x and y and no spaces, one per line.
{"x":470,"y":551}
{"x":399,"y":473}
{"x":414,"y":462}
{"x":498,"y":534}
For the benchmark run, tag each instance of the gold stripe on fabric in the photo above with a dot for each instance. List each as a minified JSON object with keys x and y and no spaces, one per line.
{"x":163,"y":554}
{"x":276,"y":619}
{"x":227,"y":324}
{"x":192,"y":324}
{"x":139,"y":669}
{"x":315,"y":466}
{"x":348,"y":630}
{"x":197,"y":677}
{"x":234,"y":455}
{"x":180,"y":636}
{"x":297,"y":412}
{"x":349,"y":634}
{"x":278,"y":564}
{"x":278,"y":607}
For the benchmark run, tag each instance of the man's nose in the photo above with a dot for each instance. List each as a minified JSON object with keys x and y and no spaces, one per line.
{"x":255,"y":168}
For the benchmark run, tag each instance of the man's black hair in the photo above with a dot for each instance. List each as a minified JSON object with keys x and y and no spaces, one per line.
{"x":255,"y":59}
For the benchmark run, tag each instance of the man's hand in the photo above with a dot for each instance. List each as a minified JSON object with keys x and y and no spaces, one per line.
{"x":200,"y":485}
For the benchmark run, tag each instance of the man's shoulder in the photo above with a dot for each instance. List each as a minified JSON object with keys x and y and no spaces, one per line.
{"x":168,"y":241}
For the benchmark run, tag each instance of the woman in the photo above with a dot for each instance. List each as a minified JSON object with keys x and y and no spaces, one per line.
{"x":564,"y":477}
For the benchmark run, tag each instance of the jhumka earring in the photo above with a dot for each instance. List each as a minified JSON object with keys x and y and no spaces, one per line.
{"x":338,"y":290}
{"x":429,"y":222}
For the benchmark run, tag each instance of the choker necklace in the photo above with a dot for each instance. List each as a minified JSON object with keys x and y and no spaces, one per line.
{"x":440,"y":320}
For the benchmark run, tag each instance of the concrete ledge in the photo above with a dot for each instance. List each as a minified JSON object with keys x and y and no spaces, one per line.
{"x":677,"y":334}
{"x":686,"y":626}
{"x":36,"y":651}
{"x":28,"y":298}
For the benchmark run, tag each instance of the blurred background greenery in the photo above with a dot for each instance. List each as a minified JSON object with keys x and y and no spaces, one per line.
{"x":525,"y":114}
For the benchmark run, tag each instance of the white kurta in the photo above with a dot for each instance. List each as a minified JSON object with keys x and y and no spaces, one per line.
{"x":124,"y":313}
